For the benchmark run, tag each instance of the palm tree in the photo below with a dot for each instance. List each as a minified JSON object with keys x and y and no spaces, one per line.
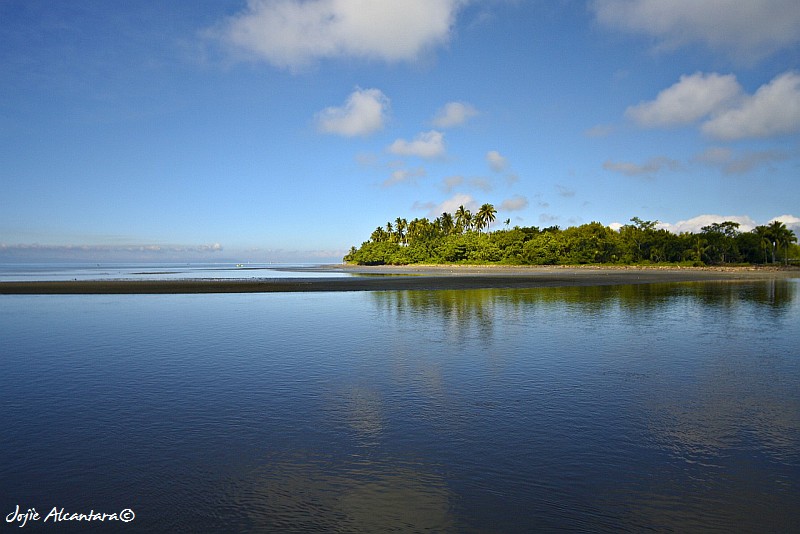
{"x":790,"y":238}
{"x":400,"y":226}
{"x":391,"y":233}
{"x":447,"y":223}
{"x":463,"y":218}
{"x":764,"y":233}
{"x":699,"y":248}
{"x":485,"y":216}
{"x":379,"y":235}
{"x":416,"y":229}
{"x":780,"y":235}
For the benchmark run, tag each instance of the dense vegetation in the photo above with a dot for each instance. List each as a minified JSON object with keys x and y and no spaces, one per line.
{"x":460,"y":238}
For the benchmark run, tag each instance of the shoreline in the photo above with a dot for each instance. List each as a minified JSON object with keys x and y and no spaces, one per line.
{"x":410,"y":277}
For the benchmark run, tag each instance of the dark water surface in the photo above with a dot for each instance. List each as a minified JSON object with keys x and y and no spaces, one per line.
{"x":630,"y":408}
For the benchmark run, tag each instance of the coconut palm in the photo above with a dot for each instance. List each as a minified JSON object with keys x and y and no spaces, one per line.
{"x":447,"y":223}
{"x":400,"y":226}
{"x":485,"y":216}
{"x":379,"y":235}
{"x":764,"y":234}
{"x":780,"y":235}
{"x":463,"y":218}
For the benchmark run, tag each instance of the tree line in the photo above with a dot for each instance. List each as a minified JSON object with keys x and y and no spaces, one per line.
{"x":460,"y":237}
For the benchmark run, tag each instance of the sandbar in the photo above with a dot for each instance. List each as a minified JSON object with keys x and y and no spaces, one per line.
{"x":399,"y":278}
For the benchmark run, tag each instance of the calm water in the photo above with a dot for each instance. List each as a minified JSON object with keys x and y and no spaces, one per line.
{"x":633,"y":408}
{"x":24,"y":272}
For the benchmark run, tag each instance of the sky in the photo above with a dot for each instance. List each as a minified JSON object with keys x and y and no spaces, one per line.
{"x":287,"y":130}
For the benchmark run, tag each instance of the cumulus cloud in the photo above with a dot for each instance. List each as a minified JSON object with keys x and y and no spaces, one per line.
{"x":646,"y":169}
{"x":747,"y":30}
{"x":454,"y":114}
{"x":293,"y":33}
{"x":497,"y":162}
{"x":773,"y":110}
{"x":400,"y":176}
{"x":515,"y":203}
{"x":727,"y":111}
{"x":450,"y":205}
{"x":692,"y":98}
{"x":363,"y":113}
{"x":792,"y":222}
{"x":696,"y":223}
{"x":425,"y":145}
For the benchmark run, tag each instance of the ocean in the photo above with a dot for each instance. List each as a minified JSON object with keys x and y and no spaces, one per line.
{"x":664,"y":407}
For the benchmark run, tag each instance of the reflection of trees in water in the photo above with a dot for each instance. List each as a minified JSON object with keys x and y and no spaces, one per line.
{"x":315,"y":494}
{"x":461,"y":311}
{"x":464,"y":311}
{"x":774,"y":294}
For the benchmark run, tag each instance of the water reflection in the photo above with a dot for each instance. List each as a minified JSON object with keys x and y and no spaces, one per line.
{"x":681,"y":400}
{"x":465,"y":310}
{"x":317,"y":494}
{"x":362,"y":409}
{"x":633,"y":408}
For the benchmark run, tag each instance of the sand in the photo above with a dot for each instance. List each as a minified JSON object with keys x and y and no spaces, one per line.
{"x":392,"y":278}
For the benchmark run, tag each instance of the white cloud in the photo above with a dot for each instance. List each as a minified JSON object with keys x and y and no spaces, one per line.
{"x":690,"y":99}
{"x":400,"y":176}
{"x":294,"y":33}
{"x":497,"y":162}
{"x":791,"y":222}
{"x":363,"y":113}
{"x":649,"y":168}
{"x":515,"y":203}
{"x":728,"y":112}
{"x":450,"y":205}
{"x":454,"y":114}
{"x":696,"y":223}
{"x":425,"y":145}
{"x":773,"y":110}
{"x":746,"y":29}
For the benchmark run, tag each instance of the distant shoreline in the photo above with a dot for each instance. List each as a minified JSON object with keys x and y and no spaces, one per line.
{"x":409,"y":277}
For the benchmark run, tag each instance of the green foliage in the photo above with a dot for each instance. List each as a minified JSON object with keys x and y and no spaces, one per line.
{"x":459,"y":238}
{"x":547,"y":248}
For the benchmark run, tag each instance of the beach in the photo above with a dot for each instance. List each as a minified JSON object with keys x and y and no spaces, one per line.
{"x":410,"y":277}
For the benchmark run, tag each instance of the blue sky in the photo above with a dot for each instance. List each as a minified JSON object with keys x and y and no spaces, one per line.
{"x":287,"y":130}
